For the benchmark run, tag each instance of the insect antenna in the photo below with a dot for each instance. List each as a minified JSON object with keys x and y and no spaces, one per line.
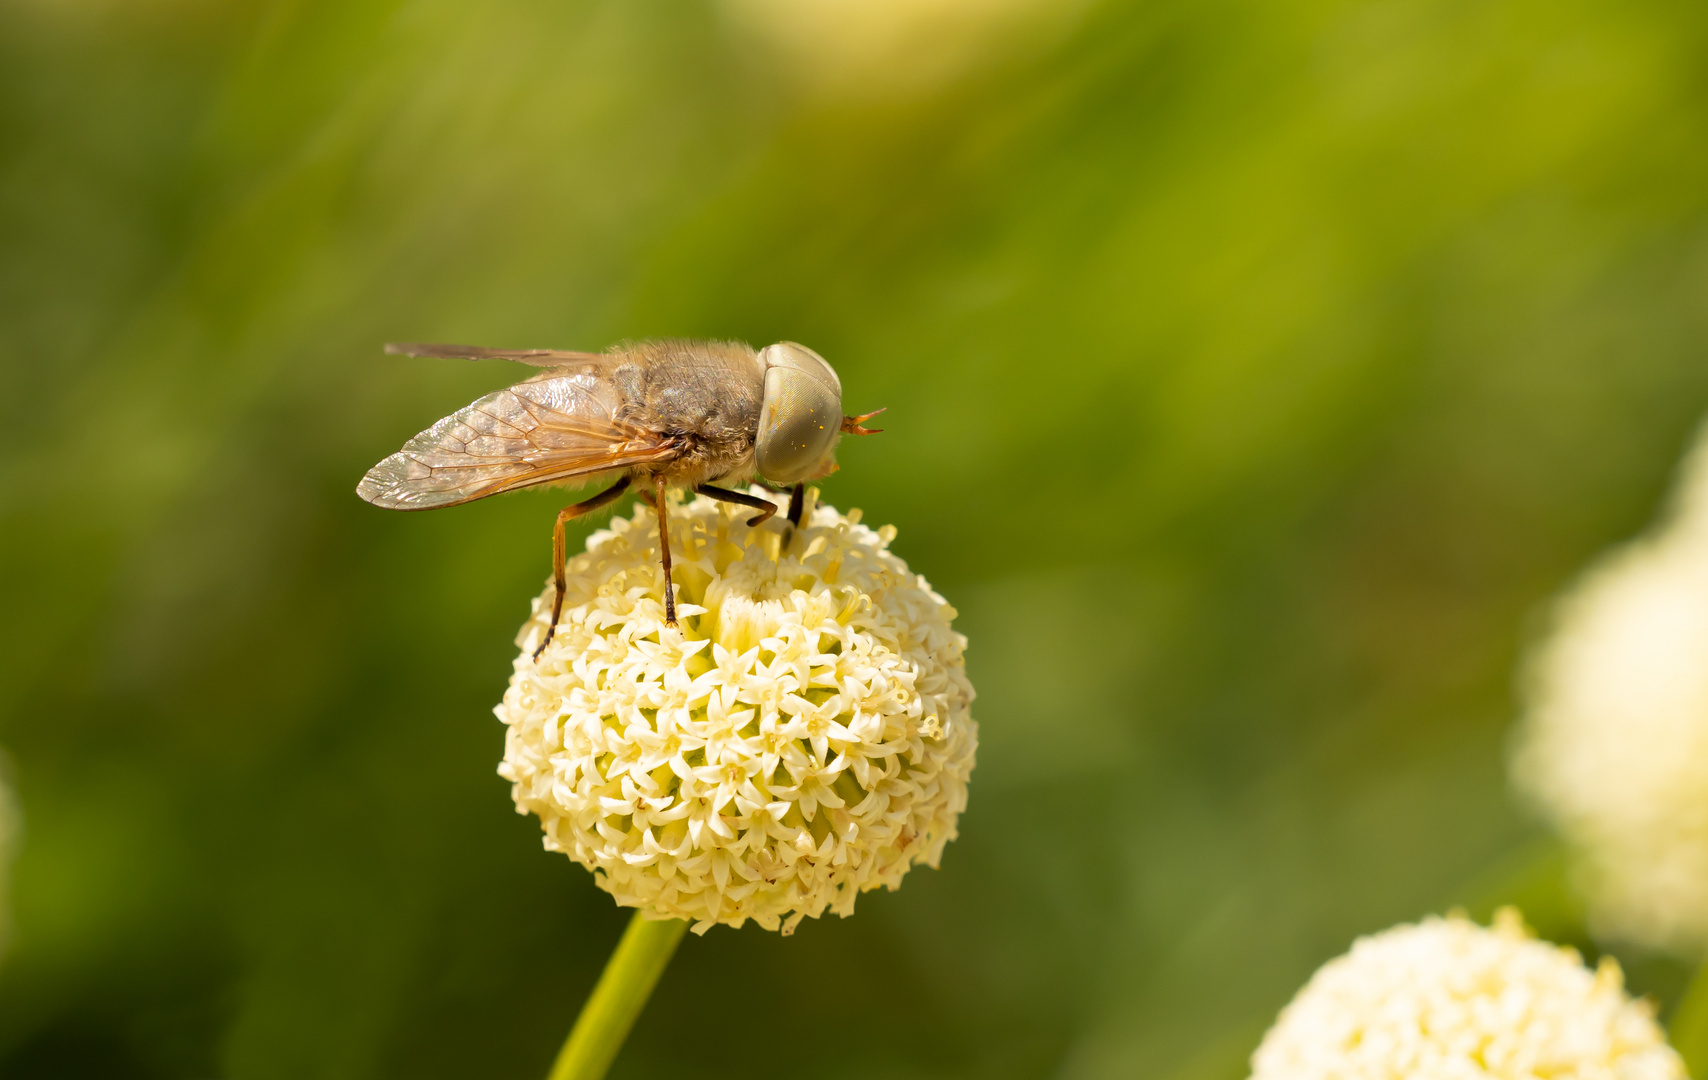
{"x":851,"y":424}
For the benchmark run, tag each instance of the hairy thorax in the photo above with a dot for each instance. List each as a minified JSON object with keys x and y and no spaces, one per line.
{"x":704,"y":395}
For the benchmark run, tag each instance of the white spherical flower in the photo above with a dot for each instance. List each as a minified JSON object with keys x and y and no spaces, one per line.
{"x":1446,"y":999}
{"x":803,"y":737}
{"x":1615,"y":743}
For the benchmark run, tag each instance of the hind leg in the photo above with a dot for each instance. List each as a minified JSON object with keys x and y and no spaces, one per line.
{"x":564,"y":516}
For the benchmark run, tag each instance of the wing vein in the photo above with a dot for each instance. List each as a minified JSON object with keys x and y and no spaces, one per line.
{"x":561,"y":428}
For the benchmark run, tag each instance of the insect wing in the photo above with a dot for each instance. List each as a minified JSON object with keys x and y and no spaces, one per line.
{"x":546,"y":358}
{"x":547,"y":430}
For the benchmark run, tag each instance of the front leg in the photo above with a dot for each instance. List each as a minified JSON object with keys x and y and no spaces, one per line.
{"x":765,"y":506}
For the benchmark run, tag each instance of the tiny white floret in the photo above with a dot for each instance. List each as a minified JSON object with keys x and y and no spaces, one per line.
{"x":802,"y":737}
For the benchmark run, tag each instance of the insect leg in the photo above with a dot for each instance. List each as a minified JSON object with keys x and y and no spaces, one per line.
{"x":664,"y":548}
{"x":765,"y":506}
{"x":797,"y":503}
{"x":587,"y":506}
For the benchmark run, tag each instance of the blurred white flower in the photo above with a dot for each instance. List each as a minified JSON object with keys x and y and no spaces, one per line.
{"x":1446,"y":999}
{"x":804,"y":736}
{"x":876,"y":48}
{"x":1614,"y":747}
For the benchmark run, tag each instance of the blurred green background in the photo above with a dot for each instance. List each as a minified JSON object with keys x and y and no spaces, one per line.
{"x":1256,"y":371}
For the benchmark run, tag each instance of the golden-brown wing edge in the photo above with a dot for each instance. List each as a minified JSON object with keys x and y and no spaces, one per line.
{"x":389,"y":485}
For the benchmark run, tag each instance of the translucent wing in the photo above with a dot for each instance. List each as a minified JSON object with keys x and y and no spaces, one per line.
{"x":550,"y":429}
{"x":547,"y":358}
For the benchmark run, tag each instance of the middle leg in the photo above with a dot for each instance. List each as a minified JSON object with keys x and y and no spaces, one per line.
{"x":664,"y":547}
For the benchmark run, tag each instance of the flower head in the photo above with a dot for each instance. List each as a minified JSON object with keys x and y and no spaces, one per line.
{"x":1446,"y":999}
{"x":803,"y":737}
{"x":1615,"y":743}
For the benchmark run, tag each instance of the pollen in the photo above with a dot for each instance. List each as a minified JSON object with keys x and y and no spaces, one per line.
{"x":803,"y":737}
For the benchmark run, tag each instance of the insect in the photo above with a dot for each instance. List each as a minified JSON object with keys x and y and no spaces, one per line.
{"x":653,"y":414}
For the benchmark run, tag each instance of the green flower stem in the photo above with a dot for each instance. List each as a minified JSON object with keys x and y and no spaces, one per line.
{"x":623,"y":988}
{"x":1688,"y":1030}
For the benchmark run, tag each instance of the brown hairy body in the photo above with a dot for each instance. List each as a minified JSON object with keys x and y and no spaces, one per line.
{"x":703,"y":396}
{"x":683,"y":411}
{"x":656,"y":414}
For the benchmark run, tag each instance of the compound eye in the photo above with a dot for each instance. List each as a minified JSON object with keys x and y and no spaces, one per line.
{"x":799,"y":421}
{"x":788,"y":354}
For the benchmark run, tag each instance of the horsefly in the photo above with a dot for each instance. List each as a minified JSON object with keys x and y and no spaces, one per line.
{"x":654,"y":415}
